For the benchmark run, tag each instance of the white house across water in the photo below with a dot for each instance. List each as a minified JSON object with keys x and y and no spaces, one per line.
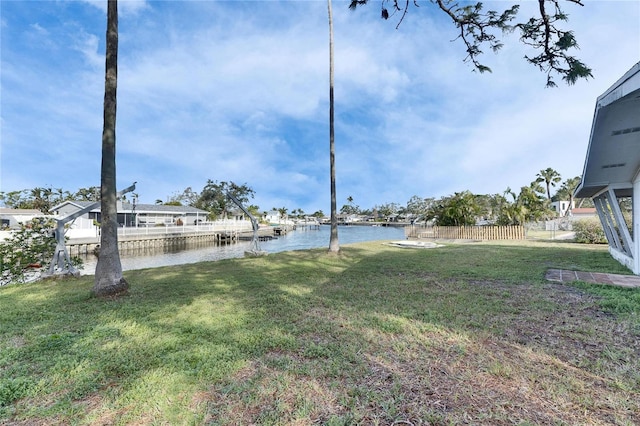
{"x":130,"y":214}
{"x":612,"y":166}
{"x":11,"y":218}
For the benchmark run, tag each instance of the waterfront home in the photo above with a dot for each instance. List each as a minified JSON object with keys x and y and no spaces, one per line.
{"x":349,"y":218}
{"x":131,"y":214}
{"x":12,"y":218}
{"x":275,"y":218}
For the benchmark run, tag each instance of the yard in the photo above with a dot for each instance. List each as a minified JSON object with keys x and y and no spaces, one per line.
{"x":461,"y":334}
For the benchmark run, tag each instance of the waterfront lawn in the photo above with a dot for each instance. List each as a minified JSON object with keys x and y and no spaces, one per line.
{"x":466,"y":333}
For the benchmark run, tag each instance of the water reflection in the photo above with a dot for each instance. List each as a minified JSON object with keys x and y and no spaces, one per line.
{"x":295,"y":240}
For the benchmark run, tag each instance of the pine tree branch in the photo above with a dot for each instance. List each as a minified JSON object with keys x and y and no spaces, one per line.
{"x":477,"y":29}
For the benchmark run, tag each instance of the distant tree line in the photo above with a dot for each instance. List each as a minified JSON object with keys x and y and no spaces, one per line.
{"x":45,"y":198}
{"x":530,"y":203}
{"x":214,"y":200}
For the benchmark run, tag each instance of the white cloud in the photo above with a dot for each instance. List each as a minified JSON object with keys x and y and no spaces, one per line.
{"x":238,"y":91}
{"x":38,"y":29}
{"x":88,"y":45}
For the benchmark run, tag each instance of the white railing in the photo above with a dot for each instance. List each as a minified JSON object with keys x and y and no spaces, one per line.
{"x":82,"y":230}
{"x":217,"y":226}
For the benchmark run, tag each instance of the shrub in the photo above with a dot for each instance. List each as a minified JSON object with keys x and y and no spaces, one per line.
{"x":28,"y":251}
{"x":29,"y":247}
{"x":589,"y":231}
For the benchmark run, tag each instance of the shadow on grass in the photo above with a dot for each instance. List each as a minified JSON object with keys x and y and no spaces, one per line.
{"x":376,"y":334}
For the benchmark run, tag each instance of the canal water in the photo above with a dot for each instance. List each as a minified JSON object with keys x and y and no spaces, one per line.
{"x":295,"y":240}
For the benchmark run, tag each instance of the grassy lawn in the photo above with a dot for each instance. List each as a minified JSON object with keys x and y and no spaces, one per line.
{"x":537,"y":234}
{"x":462,"y":334}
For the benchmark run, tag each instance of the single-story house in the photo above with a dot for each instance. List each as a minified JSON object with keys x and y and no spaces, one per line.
{"x":275,"y":218}
{"x":130,"y":214}
{"x":349,"y":218}
{"x":272,"y":217}
{"x":564,"y":209}
{"x":11,"y":218}
{"x":612,"y":166}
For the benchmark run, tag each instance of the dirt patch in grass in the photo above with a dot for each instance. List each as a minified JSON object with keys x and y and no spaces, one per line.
{"x":275,"y":390}
{"x":488,"y":382}
{"x":551,"y":356}
{"x":566,"y":323}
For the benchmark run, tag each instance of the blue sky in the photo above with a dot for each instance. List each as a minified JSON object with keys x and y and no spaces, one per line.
{"x":238,"y":91}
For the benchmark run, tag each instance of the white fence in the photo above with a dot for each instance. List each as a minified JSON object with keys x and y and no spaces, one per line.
{"x":515,"y":232}
{"x":229,"y":225}
{"x":84,"y":228}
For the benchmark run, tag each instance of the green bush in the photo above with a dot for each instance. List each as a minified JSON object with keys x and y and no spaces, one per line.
{"x":589,"y":231}
{"x":28,"y":251}
{"x":27,"y":248}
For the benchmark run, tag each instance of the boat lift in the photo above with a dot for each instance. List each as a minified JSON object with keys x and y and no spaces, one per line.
{"x":61,"y":263}
{"x":255,"y":250}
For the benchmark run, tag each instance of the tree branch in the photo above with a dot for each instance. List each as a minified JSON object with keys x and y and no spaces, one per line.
{"x":477,"y":29}
{"x":543,"y":34}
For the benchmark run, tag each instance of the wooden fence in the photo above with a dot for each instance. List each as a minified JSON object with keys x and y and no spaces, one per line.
{"x":466,"y":232}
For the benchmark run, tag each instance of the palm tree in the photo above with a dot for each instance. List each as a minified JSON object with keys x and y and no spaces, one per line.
{"x":41,"y":199}
{"x":87,"y":194}
{"x":334,"y":245}
{"x":283,"y":213}
{"x":514,"y":212}
{"x":61,"y":195}
{"x":108,"y":277}
{"x":550,"y":177}
{"x":568,"y":187}
{"x":530,"y":197}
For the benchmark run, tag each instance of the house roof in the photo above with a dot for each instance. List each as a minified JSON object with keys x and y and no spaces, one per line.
{"x":613,"y":155}
{"x":140,"y":208}
{"x":4,"y":210}
{"x":584,"y":211}
{"x":78,"y":204}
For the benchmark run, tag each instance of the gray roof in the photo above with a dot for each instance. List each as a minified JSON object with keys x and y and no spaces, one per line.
{"x":613,"y":155}
{"x":142,"y":208}
{"x":161,"y":208}
{"x":6,"y":210}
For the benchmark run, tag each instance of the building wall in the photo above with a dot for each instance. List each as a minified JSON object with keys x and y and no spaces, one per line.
{"x":636,"y":225}
{"x":561,"y":207}
{"x":12,"y":219}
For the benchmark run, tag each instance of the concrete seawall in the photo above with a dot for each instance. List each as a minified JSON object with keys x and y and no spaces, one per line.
{"x":168,"y":239}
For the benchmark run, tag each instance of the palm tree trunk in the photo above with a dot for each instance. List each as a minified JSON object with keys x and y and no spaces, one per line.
{"x":334,"y":246}
{"x":108,"y":277}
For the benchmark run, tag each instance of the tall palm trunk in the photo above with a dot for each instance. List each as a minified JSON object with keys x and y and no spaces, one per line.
{"x":108,"y":278}
{"x":334,"y":246}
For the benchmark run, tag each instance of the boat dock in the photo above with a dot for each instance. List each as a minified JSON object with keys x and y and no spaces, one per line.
{"x":172,"y":238}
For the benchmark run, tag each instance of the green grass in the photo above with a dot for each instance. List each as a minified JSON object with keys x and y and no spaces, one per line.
{"x":376,"y":335}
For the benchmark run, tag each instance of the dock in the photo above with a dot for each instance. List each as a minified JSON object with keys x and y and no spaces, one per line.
{"x":173,"y":238}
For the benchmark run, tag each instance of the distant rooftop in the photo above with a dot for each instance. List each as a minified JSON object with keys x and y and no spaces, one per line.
{"x":140,"y":208}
